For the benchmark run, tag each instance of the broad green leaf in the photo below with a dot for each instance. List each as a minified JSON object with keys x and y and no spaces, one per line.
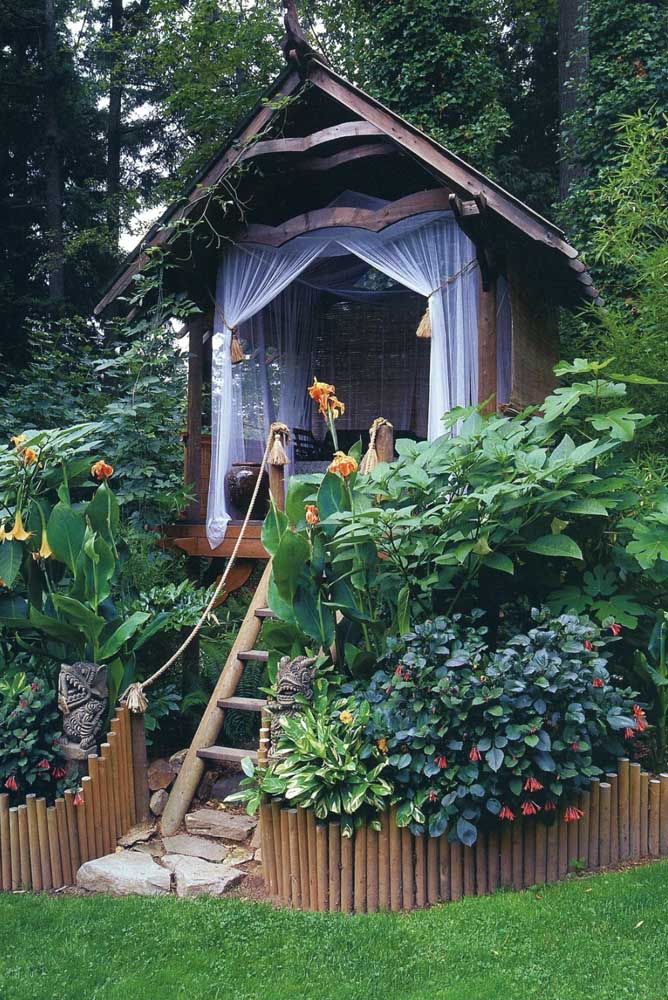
{"x":290,"y":558}
{"x":65,"y":532}
{"x":103,"y":513}
{"x":274,"y":527}
{"x":78,"y":614}
{"x":403,"y":612}
{"x":497,"y":561}
{"x":561,"y":546}
{"x":11,"y":553}
{"x":121,"y":635}
{"x":300,"y":488}
{"x":332,"y":496}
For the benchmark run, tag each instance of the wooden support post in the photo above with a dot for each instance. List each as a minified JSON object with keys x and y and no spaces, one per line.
{"x":277,"y":485}
{"x":552,"y":852}
{"x":286,"y":881}
{"x":278,"y":845}
{"x":420,"y":871}
{"x":104,"y":806}
{"x":293,"y":839}
{"x":268,"y":856}
{"x":24,"y":846}
{"x":140,"y":768}
{"x":506,"y":855}
{"x":604,"y":822}
{"x":443,"y":867}
{"x":481,"y":884}
{"x":384,"y":862}
{"x":644,"y":813}
{"x":385,"y":442}
{"x":654,"y":813}
{"x":407,"y":869}
{"x":322,"y":852}
{"x":94,"y":797}
{"x":64,"y":843}
{"x":395,"y":861}
{"x":82,"y":830}
{"x":468,"y":864}
{"x":634,"y":811}
{"x":583,"y":829}
{"x":623,"y":799}
{"x":115,"y":792}
{"x":563,"y":847}
{"x":518,"y":851}
{"x":43,"y":835}
{"x":359,"y":895}
{"x":573,"y":842}
{"x":456,"y":870}
{"x":347,"y":870}
{"x":117,"y":734}
{"x":334,"y":866}
{"x":432,"y":870}
{"x":302,"y":845}
{"x":594,"y":791}
{"x":612,"y":779}
{"x":193,"y":472}
{"x":54,"y":848}
{"x":14,"y":835}
{"x":493,"y":860}
{"x":541,"y":848}
{"x":372,"y":839}
{"x":487,"y":347}
{"x":529,"y":854}
{"x":87,"y":788}
{"x":5,"y":845}
{"x":312,"y":850}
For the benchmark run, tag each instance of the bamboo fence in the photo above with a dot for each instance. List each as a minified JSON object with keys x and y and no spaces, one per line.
{"x":309,"y":865}
{"x":42,"y":847}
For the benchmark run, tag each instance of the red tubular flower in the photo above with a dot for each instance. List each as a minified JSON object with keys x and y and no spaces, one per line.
{"x":615,"y":628}
{"x":629,"y":733}
{"x":507,"y":813}
{"x":433,"y":796}
{"x":441,"y":760}
{"x":597,"y":682}
{"x":399,"y":670}
{"x":11,"y":783}
{"x":572,"y":813}
{"x":58,"y":773}
{"x":474,"y":754}
{"x":532,"y":785}
{"x":530,"y":808}
{"x":575,"y":746}
{"x":587,"y":645}
{"x":549,"y":806}
{"x":78,"y":798}
{"x":44,"y":765}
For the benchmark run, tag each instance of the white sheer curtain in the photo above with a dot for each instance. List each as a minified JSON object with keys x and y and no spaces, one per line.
{"x":248,"y":279}
{"x":437,"y":260}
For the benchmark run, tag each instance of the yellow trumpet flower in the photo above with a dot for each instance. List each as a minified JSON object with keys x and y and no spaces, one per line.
{"x":3,"y":533}
{"x":18,"y":439}
{"x":18,"y":532}
{"x":45,"y":549}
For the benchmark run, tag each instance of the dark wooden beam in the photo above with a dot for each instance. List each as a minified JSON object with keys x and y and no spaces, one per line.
{"x":487,"y":387}
{"x":352,"y":155}
{"x":197,"y":327}
{"x":361,"y":218}
{"x":302,"y":144}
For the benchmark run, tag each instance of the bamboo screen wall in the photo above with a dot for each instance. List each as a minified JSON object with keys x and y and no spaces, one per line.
{"x":42,"y":847}
{"x":309,"y":865}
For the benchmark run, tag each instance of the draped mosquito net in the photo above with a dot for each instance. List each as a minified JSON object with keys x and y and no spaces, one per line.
{"x":275,"y":299}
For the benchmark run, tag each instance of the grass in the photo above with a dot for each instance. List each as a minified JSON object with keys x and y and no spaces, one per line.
{"x":598,"y":938}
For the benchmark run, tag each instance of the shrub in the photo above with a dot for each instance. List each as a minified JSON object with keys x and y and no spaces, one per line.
{"x":30,"y":727}
{"x":473,"y":735}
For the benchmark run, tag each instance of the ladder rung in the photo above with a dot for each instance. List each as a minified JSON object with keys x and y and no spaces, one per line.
{"x":260,"y":655}
{"x":226,"y":755}
{"x":243,"y":704}
{"x":264,"y":613}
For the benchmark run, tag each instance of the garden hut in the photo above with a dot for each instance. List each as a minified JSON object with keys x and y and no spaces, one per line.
{"x":331,"y":238}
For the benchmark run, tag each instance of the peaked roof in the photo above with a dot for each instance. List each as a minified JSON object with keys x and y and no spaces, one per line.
{"x":498,"y":205}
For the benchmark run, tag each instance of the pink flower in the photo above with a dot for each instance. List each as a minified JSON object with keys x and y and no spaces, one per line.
{"x":58,"y":773}
{"x":44,"y":765}
{"x":615,"y":628}
{"x":399,"y":670}
{"x":507,"y":813}
{"x":474,"y":754}
{"x":441,"y":760}
{"x":629,"y":733}
{"x":587,"y":645}
{"x":11,"y":783}
{"x":78,"y":798}
{"x":532,"y":785}
{"x":530,"y":808}
{"x":572,"y":813}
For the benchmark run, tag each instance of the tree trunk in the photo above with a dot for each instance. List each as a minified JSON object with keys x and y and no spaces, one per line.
{"x":573,"y":69}
{"x":53,"y":166}
{"x":114,"y":124}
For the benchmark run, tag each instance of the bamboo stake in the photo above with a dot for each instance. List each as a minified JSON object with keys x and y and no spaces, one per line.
{"x":286,"y":881}
{"x":267,"y":835}
{"x":663,"y":814}
{"x":5,"y":845}
{"x":552,"y":852}
{"x":384,"y":862}
{"x":24,"y":847}
{"x":54,"y":848}
{"x":563,"y":847}
{"x":623,"y":800}
{"x":72,"y":832}
{"x":302,"y":849}
{"x":493,"y":860}
{"x":43,"y":834}
{"x":481,"y":885}
{"x":604,"y":823}
{"x":295,"y":880}
{"x":443,"y":867}
{"x":278,"y":852}
{"x":583,"y":829}
{"x":614,"y":817}
{"x":407,"y":869}
{"x":312,"y":859}
{"x":124,"y":715}
{"x":468,"y":863}
{"x":644,"y":813}
{"x":139,"y":760}
{"x":114,"y":834}
{"x":347,"y":874}
{"x":518,"y":850}
{"x":594,"y":791}
{"x":456,"y":872}
{"x":124,"y":802}
{"x":64,"y":843}
{"x":115,"y":791}
{"x":432,"y":869}
{"x":371,"y":870}
{"x":82,"y":831}
{"x":322,"y":851}
{"x":104,"y":806}
{"x":15,"y":848}
{"x":573,"y":833}
{"x":506,"y":855}
{"x":359,"y":896}
{"x":334,"y":865}
{"x":634,"y":810}
{"x":541,"y":848}
{"x":33,"y":844}
{"x":420,"y":872}
{"x":395,"y":861}
{"x":529,"y":855}
{"x":95,"y":805}
{"x":653,"y":843}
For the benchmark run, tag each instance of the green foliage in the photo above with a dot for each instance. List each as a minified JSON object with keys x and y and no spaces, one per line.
{"x":473,"y":736}
{"x":650,"y":669}
{"x":30,"y":727}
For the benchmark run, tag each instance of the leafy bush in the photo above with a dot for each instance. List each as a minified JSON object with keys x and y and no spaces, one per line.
{"x":473,"y":735}
{"x":30,"y":727}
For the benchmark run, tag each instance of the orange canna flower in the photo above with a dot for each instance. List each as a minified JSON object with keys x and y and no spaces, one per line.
{"x":336,"y":407}
{"x":320,"y":392}
{"x":18,"y":532}
{"x":312,"y":516}
{"x":101,"y":471}
{"x":29,"y":456}
{"x":344,"y":464}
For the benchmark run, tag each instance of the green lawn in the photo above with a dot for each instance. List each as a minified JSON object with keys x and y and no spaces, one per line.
{"x":588,"y":939}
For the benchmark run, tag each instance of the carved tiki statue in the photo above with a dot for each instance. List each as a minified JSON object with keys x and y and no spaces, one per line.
{"x":294,"y":677}
{"x":82,"y":698}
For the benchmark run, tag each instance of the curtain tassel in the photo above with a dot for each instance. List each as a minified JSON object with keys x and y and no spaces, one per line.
{"x":277,"y":454}
{"x":236,"y":350}
{"x":370,"y":460}
{"x":424,"y":326}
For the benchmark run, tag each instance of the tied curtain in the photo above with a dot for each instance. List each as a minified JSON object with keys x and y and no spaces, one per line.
{"x":429,"y":255}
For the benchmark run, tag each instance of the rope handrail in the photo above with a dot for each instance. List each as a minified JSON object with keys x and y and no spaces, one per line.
{"x":134,"y":696}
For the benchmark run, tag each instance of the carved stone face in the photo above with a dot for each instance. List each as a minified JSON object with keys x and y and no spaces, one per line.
{"x":80,"y":683}
{"x":294,"y":677}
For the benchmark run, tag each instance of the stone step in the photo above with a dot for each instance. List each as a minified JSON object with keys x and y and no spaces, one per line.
{"x":259,"y":655}
{"x":239,"y":704}
{"x":226,"y":755}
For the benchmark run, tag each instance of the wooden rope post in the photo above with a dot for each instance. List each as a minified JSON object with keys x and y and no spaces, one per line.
{"x":385,"y":442}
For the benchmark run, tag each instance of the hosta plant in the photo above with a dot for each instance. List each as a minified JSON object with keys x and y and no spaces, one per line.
{"x":325,"y":762}
{"x":473,"y":736}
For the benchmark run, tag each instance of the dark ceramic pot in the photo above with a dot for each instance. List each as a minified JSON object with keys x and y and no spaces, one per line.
{"x":240,"y":483}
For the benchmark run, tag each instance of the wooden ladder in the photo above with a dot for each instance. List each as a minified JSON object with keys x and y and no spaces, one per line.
{"x":223,"y":698}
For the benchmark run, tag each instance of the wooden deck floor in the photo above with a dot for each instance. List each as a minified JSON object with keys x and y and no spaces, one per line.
{"x":191,"y":538}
